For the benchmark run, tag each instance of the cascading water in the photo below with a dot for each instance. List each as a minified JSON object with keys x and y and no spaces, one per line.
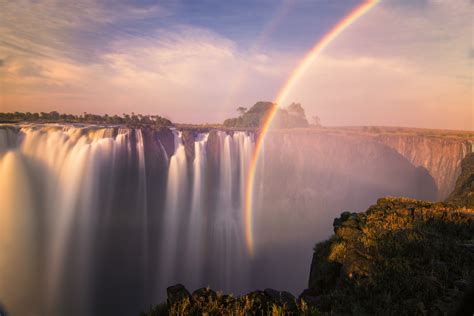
{"x":196,"y":241}
{"x":176,"y":198}
{"x":227,"y":229}
{"x":97,"y":220}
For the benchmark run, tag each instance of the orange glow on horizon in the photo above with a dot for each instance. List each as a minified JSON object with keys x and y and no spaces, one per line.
{"x":283,"y":92}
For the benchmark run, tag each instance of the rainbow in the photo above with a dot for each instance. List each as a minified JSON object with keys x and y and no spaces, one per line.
{"x":283,"y":92}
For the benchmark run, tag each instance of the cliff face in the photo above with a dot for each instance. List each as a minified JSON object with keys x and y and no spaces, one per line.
{"x":306,"y":177}
{"x":463,"y":193}
{"x":400,"y":257}
{"x":440,"y":156}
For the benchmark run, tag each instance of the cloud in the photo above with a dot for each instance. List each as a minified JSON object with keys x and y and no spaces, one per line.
{"x":71,"y":29}
{"x":402,"y":65}
{"x":186,"y":73}
{"x":104,"y":57}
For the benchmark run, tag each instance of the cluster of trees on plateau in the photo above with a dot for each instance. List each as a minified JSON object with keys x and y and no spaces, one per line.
{"x":56,"y":117}
{"x":291,"y":116}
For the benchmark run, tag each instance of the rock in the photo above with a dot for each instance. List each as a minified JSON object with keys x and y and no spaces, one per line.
{"x":469,"y":247}
{"x":289,"y":300}
{"x":165,"y":136}
{"x":282,"y":299}
{"x":322,"y":302}
{"x":177,"y":294}
{"x":420,"y":307}
{"x":463,"y":194}
{"x":390,"y":254}
{"x":258,"y":301}
{"x":341,"y":219}
{"x":324,"y":274}
{"x":347,"y":226}
{"x":274,"y":295}
{"x":204,"y":295}
{"x":461,"y":284}
{"x":188,"y":138}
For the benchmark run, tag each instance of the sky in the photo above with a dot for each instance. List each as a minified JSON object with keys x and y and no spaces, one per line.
{"x":404,"y":63}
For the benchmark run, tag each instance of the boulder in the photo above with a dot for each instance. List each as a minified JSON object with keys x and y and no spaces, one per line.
{"x":177,"y":294}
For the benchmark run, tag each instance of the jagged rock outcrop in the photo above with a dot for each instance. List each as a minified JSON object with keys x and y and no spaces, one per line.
{"x":401,"y":256}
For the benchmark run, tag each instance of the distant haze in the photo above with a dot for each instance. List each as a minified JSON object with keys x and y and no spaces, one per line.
{"x":403,"y":64}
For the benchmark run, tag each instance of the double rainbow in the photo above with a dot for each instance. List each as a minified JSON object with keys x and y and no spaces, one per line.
{"x":283,"y":92}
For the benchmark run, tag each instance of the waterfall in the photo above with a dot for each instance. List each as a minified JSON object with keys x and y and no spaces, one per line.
{"x":197,"y":218}
{"x":228,"y":227}
{"x":142,"y":199}
{"x":90,"y":214}
{"x":176,"y":196}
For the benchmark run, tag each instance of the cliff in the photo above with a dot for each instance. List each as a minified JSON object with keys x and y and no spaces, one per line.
{"x":463,"y":193}
{"x":401,"y":256}
{"x":306,"y":178}
{"x":439,"y":154}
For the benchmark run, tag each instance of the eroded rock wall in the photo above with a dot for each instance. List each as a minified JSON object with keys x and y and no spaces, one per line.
{"x":441,"y":156}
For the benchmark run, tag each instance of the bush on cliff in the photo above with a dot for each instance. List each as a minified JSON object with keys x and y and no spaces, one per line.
{"x":401,"y":256}
{"x":207,"y":302}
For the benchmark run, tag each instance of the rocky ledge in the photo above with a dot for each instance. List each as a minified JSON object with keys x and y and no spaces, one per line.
{"x":400,"y":257}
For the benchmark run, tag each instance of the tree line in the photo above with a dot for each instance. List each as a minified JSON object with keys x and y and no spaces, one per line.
{"x":56,"y":117}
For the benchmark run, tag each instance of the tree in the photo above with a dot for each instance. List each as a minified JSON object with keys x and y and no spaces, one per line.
{"x":316,"y":121}
{"x":241,"y":110}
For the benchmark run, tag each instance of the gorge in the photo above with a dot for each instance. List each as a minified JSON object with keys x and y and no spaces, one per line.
{"x":101,"y":219}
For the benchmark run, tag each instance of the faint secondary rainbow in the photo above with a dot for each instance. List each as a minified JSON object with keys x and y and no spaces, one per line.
{"x":283,"y":92}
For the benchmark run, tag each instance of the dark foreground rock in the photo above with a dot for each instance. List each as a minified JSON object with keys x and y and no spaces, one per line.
{"x":400,"y":257}
{"x":205,"y":301}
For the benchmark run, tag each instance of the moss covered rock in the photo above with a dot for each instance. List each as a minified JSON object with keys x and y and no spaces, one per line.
{"x":401,"y":256}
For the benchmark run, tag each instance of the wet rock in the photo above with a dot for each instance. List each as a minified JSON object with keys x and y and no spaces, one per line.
{"x":188,"y":138}
{"x":165,"y":136}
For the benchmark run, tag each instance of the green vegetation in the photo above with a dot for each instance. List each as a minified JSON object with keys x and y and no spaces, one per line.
{"x":289,"y":117}
{"x":251,"y":118}
{"x":400,"y":257}
{"x":56,"y":117}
